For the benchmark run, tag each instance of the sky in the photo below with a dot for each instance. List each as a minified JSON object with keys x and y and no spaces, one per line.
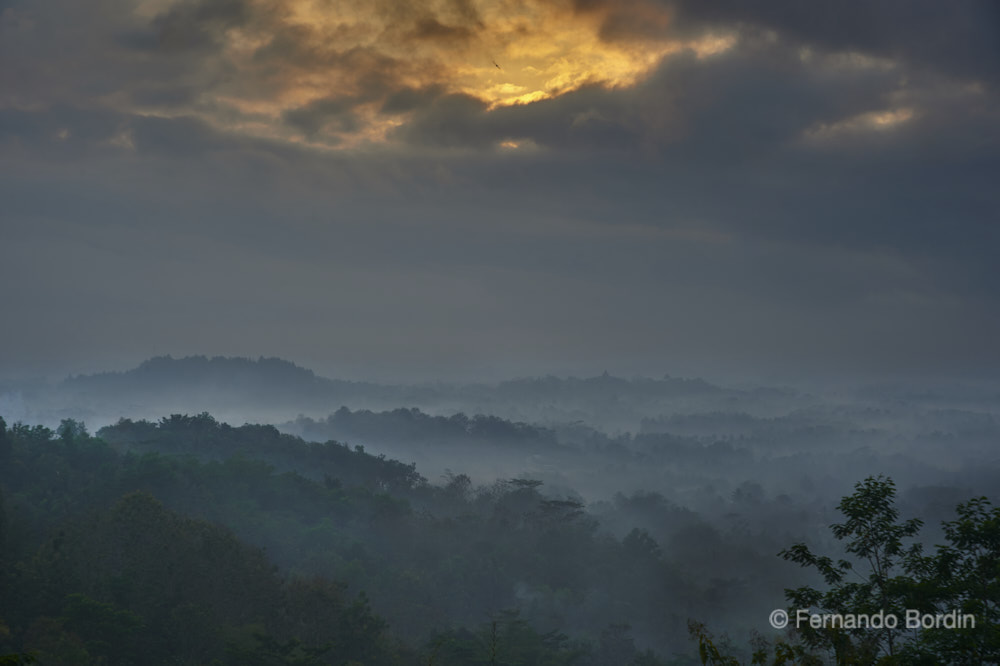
{"x":460,"y":189}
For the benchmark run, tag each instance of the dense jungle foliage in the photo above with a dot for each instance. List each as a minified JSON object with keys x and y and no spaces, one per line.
{"x":190,"y":541}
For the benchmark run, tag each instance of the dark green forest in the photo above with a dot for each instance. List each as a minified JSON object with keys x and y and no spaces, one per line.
{"x":189,"y":541}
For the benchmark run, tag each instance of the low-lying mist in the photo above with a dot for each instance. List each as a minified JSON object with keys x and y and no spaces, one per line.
{"x":581,"y":504}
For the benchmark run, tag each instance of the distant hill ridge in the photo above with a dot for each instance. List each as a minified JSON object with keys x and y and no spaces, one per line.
{"x":166,"y":371}
{"x":275,"y":390}
{"x":167,"y":366}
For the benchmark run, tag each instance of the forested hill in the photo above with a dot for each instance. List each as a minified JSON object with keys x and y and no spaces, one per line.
{"x":270,"y":378}
{"x":203,"y":437}
{"x":165,"y":373}
{"x":236,"y":389}
{"x":275,"y":390}
{"x":417,"y":427}
{"x":168,"y":372}
{"x":141,"y":546}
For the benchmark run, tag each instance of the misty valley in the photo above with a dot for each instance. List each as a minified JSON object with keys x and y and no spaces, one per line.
{"x":499,"y":332}
{"x":235,"y":511}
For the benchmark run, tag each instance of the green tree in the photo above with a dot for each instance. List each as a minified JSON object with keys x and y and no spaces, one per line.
{"x":963,"y":576}
{"x":783,"y":653}
{"x":5,"y":443}
{"x":105,"y":629}
{"x":3,"y":539}
{"x":894,"y":576}
{"x":71,"y":431}
{"x":268,"y":651}
{"x":877,"y":540}
{"x":507,"y":640}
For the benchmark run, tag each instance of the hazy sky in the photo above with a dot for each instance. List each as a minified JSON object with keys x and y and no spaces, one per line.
{"x":449,"y":188}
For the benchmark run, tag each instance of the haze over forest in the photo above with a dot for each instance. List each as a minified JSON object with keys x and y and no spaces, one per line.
{"x":645,"y":504}
{"x":496,"y":331}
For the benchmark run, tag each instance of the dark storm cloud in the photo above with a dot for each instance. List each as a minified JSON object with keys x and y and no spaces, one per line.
{"x":334,"y":113}
{"x":409,"y":99}
{"x":627,"y":19}
{"x":451,"y":120}
{"x":102,"y":54}
{"x":586,"y":119}
{"x":198,"y":24}
{"x":432,"y":29}
{"x":961,"y":39}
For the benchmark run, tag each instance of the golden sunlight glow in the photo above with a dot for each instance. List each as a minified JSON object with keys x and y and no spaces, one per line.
{"x":872,"y":121}
{"x":554,"y":54}
{"x":887,"y":119}
{"x":312,"y":57}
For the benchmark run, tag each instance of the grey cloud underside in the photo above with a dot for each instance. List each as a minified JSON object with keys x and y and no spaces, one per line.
{"x":688,"y":219}
{"x":959,"y":39}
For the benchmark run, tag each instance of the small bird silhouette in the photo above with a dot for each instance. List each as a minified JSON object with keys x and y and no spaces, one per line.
{"x":496,"y":65}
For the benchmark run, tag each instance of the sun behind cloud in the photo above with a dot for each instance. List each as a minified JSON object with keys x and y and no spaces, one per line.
{"x":347,"y":73}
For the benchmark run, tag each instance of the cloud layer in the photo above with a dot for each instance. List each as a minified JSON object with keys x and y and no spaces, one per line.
{"x":448,"y":187}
